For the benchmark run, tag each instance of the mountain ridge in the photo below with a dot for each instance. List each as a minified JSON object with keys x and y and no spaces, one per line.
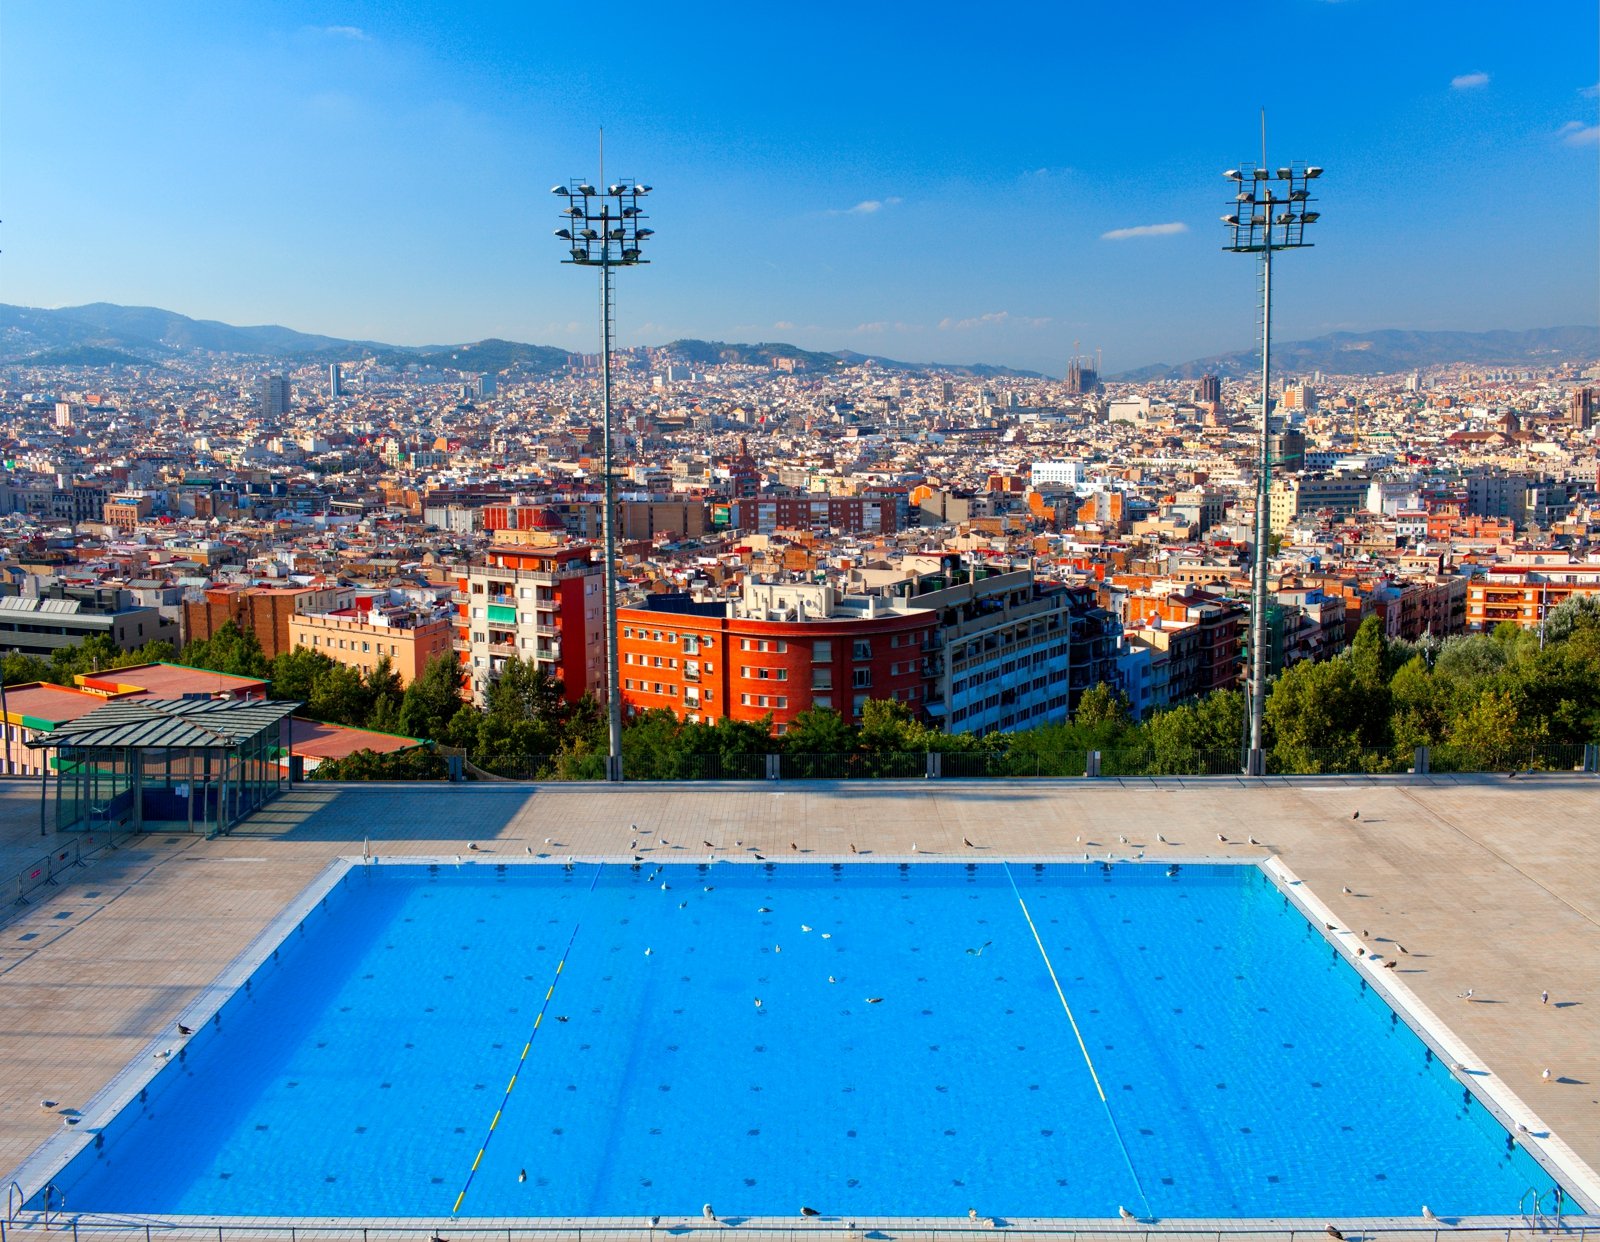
{"x":107,"y":334}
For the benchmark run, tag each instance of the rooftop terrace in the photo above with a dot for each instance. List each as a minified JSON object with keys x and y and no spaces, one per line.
{"x":1491,"y":884}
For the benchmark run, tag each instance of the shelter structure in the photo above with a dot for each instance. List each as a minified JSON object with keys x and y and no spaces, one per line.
{"x":168,"y":765}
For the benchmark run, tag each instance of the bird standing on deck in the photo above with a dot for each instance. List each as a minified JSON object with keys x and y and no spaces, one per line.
{"x":1355,"y":814}
{"x":708,"y":1213}
{"x":185,"y":1030}
{"x":1332,"y":1232}
{"x":1124,"y":1213}
{"x":966,"y":842}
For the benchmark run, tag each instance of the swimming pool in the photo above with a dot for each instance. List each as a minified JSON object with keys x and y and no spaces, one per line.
{"x":871,"y":1039}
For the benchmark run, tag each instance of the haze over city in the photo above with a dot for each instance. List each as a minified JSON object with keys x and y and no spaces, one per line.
{"x":944,"y":186}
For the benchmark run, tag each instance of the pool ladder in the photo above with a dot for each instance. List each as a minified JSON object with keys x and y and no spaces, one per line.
{"x":1538,"y":1218}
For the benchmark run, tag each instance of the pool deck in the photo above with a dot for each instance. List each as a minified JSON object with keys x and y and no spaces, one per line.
{"x":1491,"y":884}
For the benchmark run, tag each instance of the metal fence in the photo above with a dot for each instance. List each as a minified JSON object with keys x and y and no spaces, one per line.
{"x":999,"y":762}
{"x":66,"y":856}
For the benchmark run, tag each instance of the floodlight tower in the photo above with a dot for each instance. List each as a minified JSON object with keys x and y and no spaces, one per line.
{"x":605,"y":229}
{"x":1269,"y":212}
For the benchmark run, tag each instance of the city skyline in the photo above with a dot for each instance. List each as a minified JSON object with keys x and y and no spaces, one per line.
{"x":925,"y":193}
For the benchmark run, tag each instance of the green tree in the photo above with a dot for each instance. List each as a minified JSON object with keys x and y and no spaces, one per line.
{"x":418,"y":763}
{"x":339,"y":694}
{"x":431,"y":702}
{"x":295,"y":670}
{"x":1489,"y":735}
{"x":1100,"y":705}
{"x":1317,"y":716}
{"x":17,"y":668}
{"x":228,"y":650}
{"x":812,"y":736}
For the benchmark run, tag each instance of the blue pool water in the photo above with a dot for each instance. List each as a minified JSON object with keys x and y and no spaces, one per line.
{"x":1247,"y":1070}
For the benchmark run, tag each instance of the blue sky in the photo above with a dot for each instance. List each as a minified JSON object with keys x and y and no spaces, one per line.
{"x":930,"y":182}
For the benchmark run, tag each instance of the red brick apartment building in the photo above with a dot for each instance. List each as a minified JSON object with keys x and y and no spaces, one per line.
{"x":782,"y":649}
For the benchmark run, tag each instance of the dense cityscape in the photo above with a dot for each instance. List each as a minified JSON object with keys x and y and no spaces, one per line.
{"x":795,"y":533}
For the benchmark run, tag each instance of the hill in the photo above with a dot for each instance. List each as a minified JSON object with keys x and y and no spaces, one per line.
{"x":85,"y":356}
{"x":711,"y":353}
{"x":489,"y":355}
{"x":1390,"y":351}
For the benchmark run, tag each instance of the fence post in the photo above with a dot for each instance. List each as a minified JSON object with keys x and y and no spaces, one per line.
{"x":774,"y":767}
{"x":935,"y":765}
{"x":1591,"y":757}
{"x":1420,"y":760}
{"x":1091,"y":763}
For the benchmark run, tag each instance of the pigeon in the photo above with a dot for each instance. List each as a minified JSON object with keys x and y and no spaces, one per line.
{"x":1161,"y":838}
{"x":809,"y":1211}
{"x":708,"y":846}
{"x":1253,"y":841}
{"x":561,"y":1017}
{"x":1522,"y":1129}
{"x":1402,"y":948}
{"x":853,"y":849}
{"x":1355,"y":814}
{"x":1222,"y":838}
{"x":1122,"y":839}
{"x":49,"y":1103}
{"x":1332,"y":1232}
{"x":970,"y":846}
{"x":185,"y":1030}
{"x":1544,"y":998}
{"x":1390,"y":964}
{"x":472,"y":846}
{"x":794,"y":846}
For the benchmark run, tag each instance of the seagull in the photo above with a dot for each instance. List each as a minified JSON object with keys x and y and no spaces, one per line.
{"x":664,"y":841}
{"x":472,"y":846}
{"x":665,"y":886}
{"x":1253,"y":841}
{"x":648,"y":952}
{"x":1427,"y":1213}
{"x":1332,"y":1232}
{"x":1161,"y":838}
{"x":549,"y":841}
{"x":878,"y":1000}
{"x":708,"y":1213}
{"x":763,"y":909}
{"x":1222,"y":838}
{"x":49,"y":1103}
{"x":683,"y":905}
{"x":831,"y":979}
{"x":972,"y":1213}
{"x":185,"y":1030}
{"x":709,"y":846}
{"x":528,"y":850}
{"x":1547,"y":1076}
{"x":758,"y":1002}
{"x":827,"y":935}
{"x":1544,"y":997}
{"x":1122,"y":839}
{"x":654,"y":1221}
{"x":1466,"y":996}
{"x":914,"y":849}
{"x":522,"y":1175}
{"x":978,"y":952}
{"x":805,"y":927}
{"x":761,"y":858}
{"x":1355,"y":814}
{"x":1125,"y":1214}
{"x":809,"y":1211}
{"x":1522,"y":1129}
{"x":1345,"y":888}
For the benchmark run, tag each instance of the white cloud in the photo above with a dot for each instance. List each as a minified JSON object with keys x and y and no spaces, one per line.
{"x":1577,"y":134}
{"x":1468,"y":81}
{"x":1590,"y":92}
{"x":1146,"y":230}
{"x":345,"y":32}
{"x":867,"y":207}
{"x":783,"y":325}
{"x":993,"y":318}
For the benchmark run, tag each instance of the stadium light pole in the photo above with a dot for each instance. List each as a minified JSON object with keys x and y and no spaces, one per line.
{"x":604,"y":228}
{"x":1270,"y":212}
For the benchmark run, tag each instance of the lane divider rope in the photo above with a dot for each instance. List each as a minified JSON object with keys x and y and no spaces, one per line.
{"x":522,"y":1059}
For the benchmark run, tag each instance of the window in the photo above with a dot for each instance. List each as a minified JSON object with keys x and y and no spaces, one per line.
{"x":822,"y":678}
{"x":861,"y":649}
{"x":861,"y":678}
{"x":822,"y":650}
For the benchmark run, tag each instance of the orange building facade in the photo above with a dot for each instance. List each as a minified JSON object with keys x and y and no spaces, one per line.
{"x":711,"y":667}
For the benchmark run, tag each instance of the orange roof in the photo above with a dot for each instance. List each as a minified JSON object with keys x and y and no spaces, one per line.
{"x":169,"y":681}
{"x":318,"y":740}
{"x":40,"y":704}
